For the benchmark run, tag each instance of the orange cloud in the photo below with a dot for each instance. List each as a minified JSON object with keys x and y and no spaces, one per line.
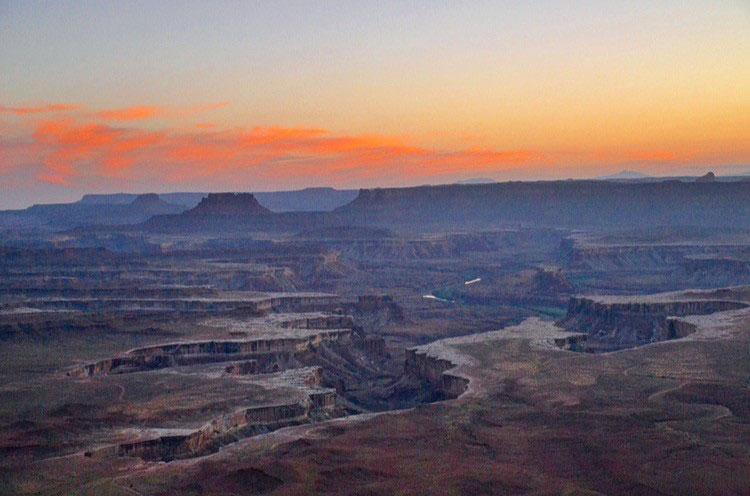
{"x":38,"y":109}
{"x":77,"y":151}
{"x":142,"y":112}
{"x":131,"y":113}
{"x":72,"y":149}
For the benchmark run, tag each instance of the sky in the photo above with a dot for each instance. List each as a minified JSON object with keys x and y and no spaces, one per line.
{"x":141,"y":96}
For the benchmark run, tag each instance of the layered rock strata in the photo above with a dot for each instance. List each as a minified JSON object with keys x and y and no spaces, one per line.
{"x":190,"y":353}
{"x":613,"y":323}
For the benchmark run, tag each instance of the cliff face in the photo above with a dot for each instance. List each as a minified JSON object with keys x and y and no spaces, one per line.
{"x":688,"y":257}
{"x":604,"y":309}
{"x":155,"y":303}
{"x":604,"y":258}
{"x":271,"y":352}
{"x":559,"y":203}
{"x":613,"y":325}
{"x":436,"y":372}
{"x":242,"y":368}
{"x":223,"y":212}
{"x":319,"y":405}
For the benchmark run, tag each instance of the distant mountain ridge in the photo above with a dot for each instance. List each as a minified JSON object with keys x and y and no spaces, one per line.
{"x":303,"y":200}
{"x":67,"y":215}
{"x":572,"y":204}
{"x":306,"y":200}
{"x":625,"y":174}
{"x":708,"y":201}
{"x":223,"y":212}
{"x":476,"y":180}
{"x":550,"y":204}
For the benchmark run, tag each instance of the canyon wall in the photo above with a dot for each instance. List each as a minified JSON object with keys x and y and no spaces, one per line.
{"x":436,"y":372}
{"x":619,"y":322}
{"x":176,"y":354}
{"x":229,"y":428}
{"x":559,"y":203}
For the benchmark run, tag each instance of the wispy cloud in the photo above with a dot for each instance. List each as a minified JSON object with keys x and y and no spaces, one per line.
{"x":117,"y":146}
{"x":142,"y":112}
{"x":131,"y":113}
{"x":38,"y":109}
{"x":75,"y":148}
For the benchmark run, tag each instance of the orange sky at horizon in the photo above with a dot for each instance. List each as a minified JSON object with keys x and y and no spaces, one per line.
{"x":144,"y":97}
{"x":72,"y":142}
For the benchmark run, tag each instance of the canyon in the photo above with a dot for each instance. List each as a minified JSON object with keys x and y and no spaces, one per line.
{"x":508,"y":338}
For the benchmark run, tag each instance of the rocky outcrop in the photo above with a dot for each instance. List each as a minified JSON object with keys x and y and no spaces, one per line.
{"x":217,"y":302}
{"x":373,"y":345}
{"x":379,"y":303}
{"x":303,"y":200}
{"x":228,"y":204}
{"x":160,"y":448}
{"x":446,"y":368}
{"x":709,"y":177}
{"x":320,"y":322}
{"x":265,"y":351}
{"x":639,"y":257}
{"x":714,"y":271}
{"x":574,"y":342}
{"x":550,"y":282}
{"x":150,"y":201}
{"x":245,"y":422}
{"x":297,"y":303}
{"x":242,"y":368}
{"x":436,"y":372}
{"x":679,"y":328}
{"x":689,"y":250}
{"x":613,"y":323}
{"x":71,"y":215}
{"x":228,"y":212}
{"x":632,"y":306}
{"x":558,"y":204}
